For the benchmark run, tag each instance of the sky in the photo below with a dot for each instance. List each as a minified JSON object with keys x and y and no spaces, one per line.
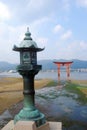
{"x":58,"y":25}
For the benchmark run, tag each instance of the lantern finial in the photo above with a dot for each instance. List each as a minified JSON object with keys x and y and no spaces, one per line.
{"x":27,"y":35}
{"x":27,"y":29}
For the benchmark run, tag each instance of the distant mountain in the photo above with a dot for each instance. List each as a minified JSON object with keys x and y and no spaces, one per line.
{"x":5,"y":66}
{"x":46,"y":64}
{"x":79,"y":64}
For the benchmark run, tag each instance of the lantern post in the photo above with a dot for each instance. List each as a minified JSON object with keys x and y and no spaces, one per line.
{"x":28,"y":68}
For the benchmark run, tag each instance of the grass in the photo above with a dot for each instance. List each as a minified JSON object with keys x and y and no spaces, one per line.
{"x":52,"y":83}
{"x":10,"y":84}
{"x":42,"y":83}
{"x":7,"y":99}
{"x":80,"y":82}
{"x":11,"y":90}
{"x":78,"y":89}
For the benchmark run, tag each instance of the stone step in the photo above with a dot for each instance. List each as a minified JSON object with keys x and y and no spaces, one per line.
{"x":30,"y":125}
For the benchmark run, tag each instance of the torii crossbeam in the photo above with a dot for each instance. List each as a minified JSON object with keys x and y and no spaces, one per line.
{"x":65,"y":63}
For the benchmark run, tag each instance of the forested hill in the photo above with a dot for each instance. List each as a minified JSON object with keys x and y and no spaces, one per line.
{"x":46,"y":65}
{"x":5,"y":66}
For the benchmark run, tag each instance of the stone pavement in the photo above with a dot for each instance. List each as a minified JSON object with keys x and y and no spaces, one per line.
{"x":30,"y":125}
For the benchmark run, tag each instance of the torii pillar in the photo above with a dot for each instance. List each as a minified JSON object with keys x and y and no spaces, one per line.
{"x":67,"y":64}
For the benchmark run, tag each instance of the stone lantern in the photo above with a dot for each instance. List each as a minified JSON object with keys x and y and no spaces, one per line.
{"x":28,"y":68}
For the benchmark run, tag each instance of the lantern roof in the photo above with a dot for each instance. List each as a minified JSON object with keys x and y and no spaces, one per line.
{"x":27,"y":41}
{"x":27,"y":44}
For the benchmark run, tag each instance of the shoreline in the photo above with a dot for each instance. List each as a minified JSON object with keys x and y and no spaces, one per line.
{"x":50,"y":75}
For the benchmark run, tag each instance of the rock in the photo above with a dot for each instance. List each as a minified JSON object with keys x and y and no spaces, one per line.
{"x":5,"y":115}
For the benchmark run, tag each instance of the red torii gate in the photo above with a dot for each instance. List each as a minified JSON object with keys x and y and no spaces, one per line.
{"x":65,"y":63}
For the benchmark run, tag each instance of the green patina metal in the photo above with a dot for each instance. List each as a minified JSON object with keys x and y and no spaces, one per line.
{"x":28,"y":68}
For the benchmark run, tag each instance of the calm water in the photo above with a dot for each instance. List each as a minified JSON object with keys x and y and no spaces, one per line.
{"x":52,"y":75}
{"x":64,"y":106}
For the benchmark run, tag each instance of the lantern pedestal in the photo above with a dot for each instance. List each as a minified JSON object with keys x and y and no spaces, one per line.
{"x":27,"y":115}
{"x":29,"y":111}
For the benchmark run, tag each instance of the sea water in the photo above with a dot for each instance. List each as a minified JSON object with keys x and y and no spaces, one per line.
{"x":51,"y":75}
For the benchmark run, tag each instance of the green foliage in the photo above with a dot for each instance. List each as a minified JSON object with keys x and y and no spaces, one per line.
{"x":74,"y":88}
{"x":52,"y":83}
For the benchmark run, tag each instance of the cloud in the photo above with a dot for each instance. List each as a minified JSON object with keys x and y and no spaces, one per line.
{"x":4,"y":12}
{"x":82,"y":3}
{"x":77,"y":49}
{"x":29,"y":10}
{"x":41,"y":16}
{"x":66,"y":5}
{"x":57,"y":28}
{"x":42,"y":42}
{"x":36,"y":6}
{"x":73,"y":50}
{"x":83,"y":45}
{"x":78,"y":45}
{"x":9,"y":36}
{"x":66,"y":35}
{"x":40,"y":21}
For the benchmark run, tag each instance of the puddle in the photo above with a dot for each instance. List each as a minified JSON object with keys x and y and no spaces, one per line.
{"x":60,"y":105}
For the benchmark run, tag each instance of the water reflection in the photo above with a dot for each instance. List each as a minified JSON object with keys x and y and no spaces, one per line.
{"x":60,"y":105}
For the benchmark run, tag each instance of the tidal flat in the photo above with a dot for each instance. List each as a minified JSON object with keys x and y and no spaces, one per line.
{"x":11,"y":91}
{"x":65,"y":102}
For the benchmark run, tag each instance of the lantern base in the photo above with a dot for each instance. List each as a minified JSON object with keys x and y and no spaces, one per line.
{"x":30,"y":115}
